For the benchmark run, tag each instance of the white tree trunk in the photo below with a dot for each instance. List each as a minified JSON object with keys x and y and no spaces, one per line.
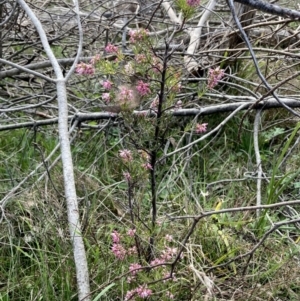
{"x":82,"y":273}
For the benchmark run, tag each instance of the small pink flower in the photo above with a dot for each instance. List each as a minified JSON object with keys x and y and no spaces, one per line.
{"x":169,"y":253}
{"x":138,"y":35}
{"x":214,"y":76}
{"x":85,"y":69}
{"x":147,"y":166}
{"x":193,"y":3}
{"x":107,"y":85}
{"x":130,"y":294}
{"x":119,"y":251}
{"x":111,"y":48}
{"x":106,"y":97}
{"x":157,"y":261}
{"x":201,"y":128}
{"x":132,"y":251}
{"x":126,"y":155}
{"x":144,"y":292}
{"x":130,"y":279}
{"x":134,"y":268}
{"x":131,"y":232}
{"x":115,"y":235}
{"x":140,"y":58}
{"x":125,"y":94}
{"x":143,"y":88}
{"x":127,"y":176}
{"x":95,"y":59}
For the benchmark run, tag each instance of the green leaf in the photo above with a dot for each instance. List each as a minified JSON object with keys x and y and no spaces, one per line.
{"x":103,"y":292}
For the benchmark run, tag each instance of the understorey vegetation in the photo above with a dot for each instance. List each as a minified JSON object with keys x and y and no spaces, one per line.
{"x":149,"y":150}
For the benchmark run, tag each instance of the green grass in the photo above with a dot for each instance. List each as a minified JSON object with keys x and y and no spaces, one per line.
{"x":36,"y":255}
{"x":220,"y":172}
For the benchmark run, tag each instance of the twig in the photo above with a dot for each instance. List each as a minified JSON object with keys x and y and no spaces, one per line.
{"x":258,"y":159}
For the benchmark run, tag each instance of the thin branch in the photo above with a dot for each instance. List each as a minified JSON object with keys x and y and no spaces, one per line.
{"x":171,"y":13}
{"x":258,"y":159}
{"x":80,"y":42}
{"x":195,"y":35}
{"x":259,"y":73}
{"x":19,"y":68}
{"x":271,"y":8}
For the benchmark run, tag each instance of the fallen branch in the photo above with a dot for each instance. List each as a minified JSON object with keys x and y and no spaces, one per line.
{"x":271,"y":103}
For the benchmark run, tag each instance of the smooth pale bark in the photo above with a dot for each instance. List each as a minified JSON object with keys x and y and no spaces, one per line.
{"x":82,"y":274}
{"x":195,"y":34}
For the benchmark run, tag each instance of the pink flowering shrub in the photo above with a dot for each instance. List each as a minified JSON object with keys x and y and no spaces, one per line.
{"x":137,"y":165}
{"x":124,"y":251}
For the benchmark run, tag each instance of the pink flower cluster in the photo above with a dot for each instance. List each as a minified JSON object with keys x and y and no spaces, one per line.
{"x":115,"y":236}
{"x":85,"y":69}
{"x":142,"y":291}
{"x":201,"y":128}
{"x":118,"y":249}
{"x":107,"y":85}
{"x":138,"y":35}
{"x":95,"y":59}
{"x":126,"y":155}
{"x":166,"y":255}
{"x":134,"y":268}
{"x":214,"y":76}
{"x":131,"y":232}
{"x":111,"y":48}
{"x":143,"y":88}
{"x":147,"y":166}
{"x":106,"y":97}
{"x":125,"y":94}
{"x":141,"y":58}
{"x":193,"y":3}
